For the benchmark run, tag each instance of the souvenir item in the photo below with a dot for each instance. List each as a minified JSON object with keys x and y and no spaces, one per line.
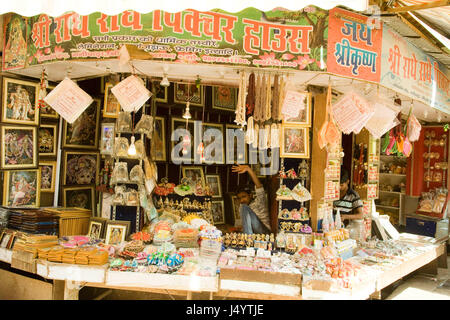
{"x":81,"y":167}
{"x":79,"y":197}
{"x":120,"y":173}
{"x":121,"y":147}
{"x":48,"y":134}
{"x":240,"y":107}
{"x":185,"y":92}
{"x":184,"y":188}
{"x":131,"y":93}
{"x":119,"y":195}
{"x":111,"y":107}
{"x":132,"y":197}
{"x":107,"y":138}
{"x":116,"y":231}
{"x":328,"y":133}
{"x":22,"y":188}
{"x":48,"y":175}
{"x":137,"y":174}
{"x":282,"y":173}
{"x":351,"y":113}
{"x":303,"y":170}
{"x":19,"y":149}
{"x":294,"y":142}
{"x":284,"y":193}
{"x":83,"y":132}
{"x":20,"y":99}
{"x":140,"y":149}
{"x":291,"y":174}
{"x":124,"y":122}
{"x":145,"y":125}
{"x":300,"y":193}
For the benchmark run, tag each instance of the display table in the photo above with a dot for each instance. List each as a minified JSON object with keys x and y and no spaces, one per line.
{"x":6,"y":255}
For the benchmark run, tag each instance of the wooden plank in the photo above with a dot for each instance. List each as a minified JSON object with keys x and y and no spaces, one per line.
{"x":429,"y":5}
{"x":260,"y":287}
{"x":254,"y":296}
{"x":17,"y":287}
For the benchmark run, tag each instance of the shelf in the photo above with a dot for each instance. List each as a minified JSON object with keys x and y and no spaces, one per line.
{"x":394,"y":192}
{"x":391,"y":156}
{"x":388,"y":207}
{"x":393,"y":174}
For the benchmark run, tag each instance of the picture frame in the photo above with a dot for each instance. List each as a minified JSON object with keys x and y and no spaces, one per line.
{"x":232,"y":156}
{"x":213,"y":181}
{"x":80,"y":167}
{"x":224,"y":98}
{"x":181,"y":123}
{"x":116,"y":231}
{"x":206,"y":126}
{"x":47,"y":139}
{"x":107,"y":138}
{"x":111,"y":106}
{"x":12,"y":241}
{"x":196,"y":96}
{"x":48,"y":175}
{"x":46,"y":111}
{"x":79,"y":197}
{"x":18,"y":144}
{"x":304,"y":116}
{"x":218,"y":211}
{"x":158,"y":144}
{"x":14,"y":42}
{"x":160,"y":92}
{"x":83,"y":132}
{"x":194,"y":173}
{"x":5,"y":239}
{"x":21,"y":188}
{"x":20,"y":101}
{"x":96,"y":228}
{"x":294,"y":141}
{"x":235,"y":204}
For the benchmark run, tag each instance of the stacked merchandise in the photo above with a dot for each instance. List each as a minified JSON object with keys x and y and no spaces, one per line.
{"x":33,"y":243}
{"x":33,"y":221}
{"x":4,"y":214}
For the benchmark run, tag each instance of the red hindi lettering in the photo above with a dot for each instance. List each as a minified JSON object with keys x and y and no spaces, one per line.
{"x":101,"y":22}
{"x":156,"y":22}
{"x":135,"y":22}
{"x":62,"y":28}
{"x":41,"y":32}
{"x":251,"y":40}
{"x":175,"y":23}
{"x":115,"y":23}
{"x":80,"y":28}
{"x":302,"y":39}
{"x":192,"y":23}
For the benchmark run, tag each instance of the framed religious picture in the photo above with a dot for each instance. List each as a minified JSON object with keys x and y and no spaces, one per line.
{"x":224,"y":98}
{"x":213,"y":143}
{"x":218,"y":211}
{"x":5,"y":238}
{"x":96,"y":228}
{"x":21,"y":188}
{"x":213,"y":181}
{"x":116,"y":231}
{"x":294,"y":141}
{"x":195,"y":174}
{"x":79,"y":197}
{"x":47,"y":141}
{"x":15,"y":43}
{"x":185,"y":92}
{"x":20,"y":99}
{"x":236,"y":204}
{"x":48,"y":175}
{"x":184,"y":144}
{"x":304,"y":112}
{"x":19,"y":147}
{"x":83,"y":132}
{"x":236,"y":148}
{"x":160,"y":92}
{"x":107,"y":138}
{"x":158,"y":143}
{"x":46,"y":111}
{"x":111,"y":106}
{"x":80,"y":167}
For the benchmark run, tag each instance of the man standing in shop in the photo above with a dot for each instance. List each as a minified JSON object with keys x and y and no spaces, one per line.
{"x":253,"y":209}
{"x":349,"y":204}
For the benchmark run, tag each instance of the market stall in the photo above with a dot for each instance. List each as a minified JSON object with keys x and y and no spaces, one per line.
{"x":119,"y":160}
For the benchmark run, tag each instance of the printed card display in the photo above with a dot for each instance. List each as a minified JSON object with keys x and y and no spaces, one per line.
{"x":68,"y":100}
{"x":292,"y":104}
{"x":351,"y":113}
{"x":131,"y":93}
{"x":383,"y":119}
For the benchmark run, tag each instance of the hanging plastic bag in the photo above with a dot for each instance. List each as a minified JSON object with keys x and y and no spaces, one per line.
{"x":413,"y":128}
{"x":328,"y":133}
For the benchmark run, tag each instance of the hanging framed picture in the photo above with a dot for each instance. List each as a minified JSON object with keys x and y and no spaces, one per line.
{"x":79,"y":197}
{"x":116,"y":231}
{"x":303,"y":111}
{"x":195,"y":174}
{"x":46,"y":111}
{"x":213,"y":181}
{"x":232,"y":140}
{"x":80,"y":167}
{"x":180,"y":123}
{"x":160,"y":92}
{"x":158,"y":143}
{"x":218,"y":211}
{"x":47,"y":141}
{"x":83,"y":132}
{"x":19,"y":147}
{"x":107,"y":138}
{"x":111,"y":107}
{"x":21,"y":188}
{"x":15,"y":42}
{"x":96,"y":228}
{"x":236,"y":205}
{"x":185,"y":92}
{"x":294,"y":141}
{"x":224,"y":98}
{"x":20,"y":99}
{"x":216,"y":155}
{"x":48,"y":175}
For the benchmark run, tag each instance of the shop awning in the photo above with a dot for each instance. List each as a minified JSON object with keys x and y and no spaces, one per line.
{"x":111,"y":7}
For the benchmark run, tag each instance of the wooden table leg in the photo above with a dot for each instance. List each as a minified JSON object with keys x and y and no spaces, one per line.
{"x":71,"y":290}
{"x":189,"y":295}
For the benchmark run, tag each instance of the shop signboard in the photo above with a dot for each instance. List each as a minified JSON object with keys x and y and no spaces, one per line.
{"x":354,"y":45}
{"x":410,"y":71}
{"x":277,"y":38}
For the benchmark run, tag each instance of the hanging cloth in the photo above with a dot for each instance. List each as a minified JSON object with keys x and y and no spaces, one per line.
{"x":264,"y":140}
{"x":268,"y":99}
{"x":275,"y":98}
{"x":250,"y":100}
{"x":328,"y":133}
{"x":250,"y":133}
{"x":281,"y":94}
{"x":275,"y":135}
{"x":256,"y":136}
{"x":256,"y":112}
{"x":240,"y":108}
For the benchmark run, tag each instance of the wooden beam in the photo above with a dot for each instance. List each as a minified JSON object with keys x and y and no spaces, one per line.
{"x":429,"y":5}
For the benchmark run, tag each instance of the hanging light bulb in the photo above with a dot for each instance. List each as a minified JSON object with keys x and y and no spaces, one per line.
{"x":187,"y":114}
{"x":132,"y":148}
{"x":165,"y":81}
